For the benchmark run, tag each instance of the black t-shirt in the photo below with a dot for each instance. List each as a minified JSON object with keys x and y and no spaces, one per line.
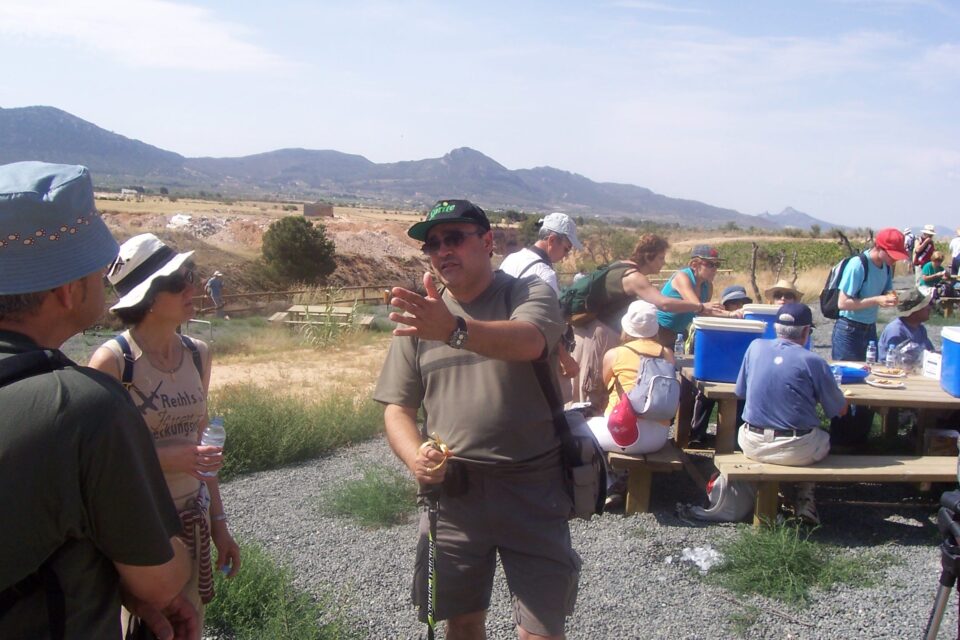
{"x":79,"y":476}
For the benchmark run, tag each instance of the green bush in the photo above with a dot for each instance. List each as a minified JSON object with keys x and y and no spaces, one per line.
{"x":267,"y":429}
{"x":298,"y":251}
{"x":781,"y":562}
{"x":381,"y":498}
{"x":261,"y":602}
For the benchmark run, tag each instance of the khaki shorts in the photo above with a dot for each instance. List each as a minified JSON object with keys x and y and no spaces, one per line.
{"x":521,"y":515}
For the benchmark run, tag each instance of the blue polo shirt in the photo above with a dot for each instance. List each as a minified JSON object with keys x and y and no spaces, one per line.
{"x":851,"y":283}
{"x":782,"y":383}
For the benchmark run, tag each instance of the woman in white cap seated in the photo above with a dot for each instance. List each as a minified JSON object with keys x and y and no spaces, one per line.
{"x":620,"y":366}
{"x":168,"y":376}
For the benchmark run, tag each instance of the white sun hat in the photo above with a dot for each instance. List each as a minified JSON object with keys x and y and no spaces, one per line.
{"x":142,"y":259}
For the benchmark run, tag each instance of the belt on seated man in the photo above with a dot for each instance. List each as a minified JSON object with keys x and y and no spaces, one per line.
{"x":779,"y":433}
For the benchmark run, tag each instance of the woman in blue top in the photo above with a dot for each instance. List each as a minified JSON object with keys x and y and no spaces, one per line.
{"x":693,"y":284}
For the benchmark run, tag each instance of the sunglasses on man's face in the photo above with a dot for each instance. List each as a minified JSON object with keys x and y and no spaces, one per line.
{"x":451,"y":239}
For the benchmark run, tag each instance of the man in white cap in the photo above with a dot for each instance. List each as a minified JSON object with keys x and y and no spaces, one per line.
{"x":86,"y":511}
{"x":556,"y":238}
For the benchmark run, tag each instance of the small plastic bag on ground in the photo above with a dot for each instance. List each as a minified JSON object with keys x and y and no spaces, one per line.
{"x":729,"y":501}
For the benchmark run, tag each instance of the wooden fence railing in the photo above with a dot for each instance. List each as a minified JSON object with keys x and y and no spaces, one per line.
{"x":244,"y":302}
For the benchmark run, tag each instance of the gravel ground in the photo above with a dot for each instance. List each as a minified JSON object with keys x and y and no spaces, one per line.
{"x":633,"y":584}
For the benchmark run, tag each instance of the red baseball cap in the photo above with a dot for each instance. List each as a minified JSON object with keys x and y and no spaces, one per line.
{"x":891,"y":241}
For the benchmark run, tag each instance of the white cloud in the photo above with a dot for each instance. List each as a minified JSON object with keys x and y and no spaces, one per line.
{"x":153,"y":34}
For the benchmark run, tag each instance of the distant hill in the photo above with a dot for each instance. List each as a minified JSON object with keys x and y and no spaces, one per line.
{"x":47,"y":133}
{"x":790,"y":217}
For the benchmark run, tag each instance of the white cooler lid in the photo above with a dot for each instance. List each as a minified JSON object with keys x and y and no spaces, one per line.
{"x":730,"y":324}
{"x":761,"y":309}
{"x":950,"y":333}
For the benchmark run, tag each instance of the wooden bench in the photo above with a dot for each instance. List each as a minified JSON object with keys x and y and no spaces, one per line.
{"x":948,"y":304}
{"x":833,"y":468}
{"x":640,"y":469}
{"x":300,"y":314}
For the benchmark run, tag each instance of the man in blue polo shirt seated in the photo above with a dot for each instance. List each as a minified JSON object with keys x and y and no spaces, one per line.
{"x":782,"y":383}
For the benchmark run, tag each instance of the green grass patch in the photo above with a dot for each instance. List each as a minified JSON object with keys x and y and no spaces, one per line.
{"x":783,"y":563}
{"x":261,"y":602}
{"x":383,"y":497}
{"x":267,"y":429}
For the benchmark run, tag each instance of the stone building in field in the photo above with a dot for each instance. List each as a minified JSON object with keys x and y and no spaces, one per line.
{"x":318,"y":210}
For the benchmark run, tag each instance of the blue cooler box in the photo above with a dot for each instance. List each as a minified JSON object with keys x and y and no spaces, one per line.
{"x":950,"y":365}
{"x":767,"y":313}
{"x":720,"y":346}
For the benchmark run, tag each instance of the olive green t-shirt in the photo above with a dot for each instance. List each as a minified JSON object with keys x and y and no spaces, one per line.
{"x":484,"y":409}
{"x":78,"y":473}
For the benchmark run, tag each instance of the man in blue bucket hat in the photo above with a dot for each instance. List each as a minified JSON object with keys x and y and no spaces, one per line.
{"x":782,"y":383}
{"x":86,"y":508}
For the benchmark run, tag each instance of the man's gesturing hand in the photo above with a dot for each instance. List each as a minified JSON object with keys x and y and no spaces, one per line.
{"x":426,"y":317}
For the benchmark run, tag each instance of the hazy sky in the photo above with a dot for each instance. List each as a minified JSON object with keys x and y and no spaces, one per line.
{"x":845,"y":109}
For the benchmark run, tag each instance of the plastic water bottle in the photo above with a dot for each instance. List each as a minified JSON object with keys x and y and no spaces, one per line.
{"x":678,"y":345}
{"x":837,"y":374}
{"x":891,"y":359}
{"x":213,"y":436}
{"x":872,"y":352}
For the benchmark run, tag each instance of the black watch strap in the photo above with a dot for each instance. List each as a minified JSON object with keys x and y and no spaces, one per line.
{"x":459,"y":335}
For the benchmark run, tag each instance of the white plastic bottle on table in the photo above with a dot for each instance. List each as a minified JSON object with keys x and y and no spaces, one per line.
{"x":837,"y":374}
{"x":213,"y":436}
{"x":891,"y":361}
{"x":678,"y":345}
{"x":872,"y":352}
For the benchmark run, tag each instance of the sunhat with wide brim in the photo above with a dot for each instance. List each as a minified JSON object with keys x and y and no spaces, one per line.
{"x":142,"y":259}
{"x":912,"y":301}
{"x":782,"y":285}
{"x":50,"y":231}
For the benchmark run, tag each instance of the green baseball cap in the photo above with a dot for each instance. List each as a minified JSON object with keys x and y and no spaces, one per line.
{"x":449,"y":211}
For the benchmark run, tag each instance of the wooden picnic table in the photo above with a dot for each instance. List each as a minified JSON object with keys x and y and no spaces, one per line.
{"x":921,"y":393}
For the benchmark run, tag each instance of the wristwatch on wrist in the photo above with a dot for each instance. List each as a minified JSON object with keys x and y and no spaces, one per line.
{"x":459,"y":335}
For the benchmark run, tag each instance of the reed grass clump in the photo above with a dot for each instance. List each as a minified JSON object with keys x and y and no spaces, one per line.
{"x":261,"y":602}
{"x":268,"y":429}
{"x":780,"y":561}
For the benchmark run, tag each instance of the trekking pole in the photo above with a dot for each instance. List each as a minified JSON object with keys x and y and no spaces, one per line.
{"x":429,"y":496}
{"x":949,"y":561}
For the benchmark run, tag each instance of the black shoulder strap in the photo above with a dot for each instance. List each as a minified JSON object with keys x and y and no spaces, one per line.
{"x":12,"y":369}
{"x":126,"y":376}
{"x":194,"y":351}
{"x":866,"y":272}
{"x":524,"y":270}
{"x":31,"y":363}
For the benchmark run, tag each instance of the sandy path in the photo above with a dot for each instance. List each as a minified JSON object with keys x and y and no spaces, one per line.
{"x":306,"y":372}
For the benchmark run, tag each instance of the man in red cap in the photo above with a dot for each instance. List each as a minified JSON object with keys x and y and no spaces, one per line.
{"x":866,"y":285}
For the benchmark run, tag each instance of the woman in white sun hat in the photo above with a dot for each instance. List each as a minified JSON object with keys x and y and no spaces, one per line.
{"x":168,"y":376}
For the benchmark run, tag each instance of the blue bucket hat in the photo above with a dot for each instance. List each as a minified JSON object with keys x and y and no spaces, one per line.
{"x":50,"y":230}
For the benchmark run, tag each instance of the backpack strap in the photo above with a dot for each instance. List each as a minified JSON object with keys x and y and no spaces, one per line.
{"x":31,"y":363}
{"x":126,"y":376}
{"x":12,"y":369}
{"x":524,"y":270}
{"x":43,"y":578}
{"x":194,"y":351}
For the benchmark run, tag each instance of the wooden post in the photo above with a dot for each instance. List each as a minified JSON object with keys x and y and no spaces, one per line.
{"x":768,"y":499}
{"x":753,"y":272}
{"x":638,"y":490}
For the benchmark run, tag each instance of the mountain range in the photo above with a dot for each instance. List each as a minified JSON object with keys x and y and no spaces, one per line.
{"x":53,"y":135}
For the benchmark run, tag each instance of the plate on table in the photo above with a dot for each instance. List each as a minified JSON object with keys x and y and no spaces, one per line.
{"x":885,"y":383}
{"x":888,"y":372}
